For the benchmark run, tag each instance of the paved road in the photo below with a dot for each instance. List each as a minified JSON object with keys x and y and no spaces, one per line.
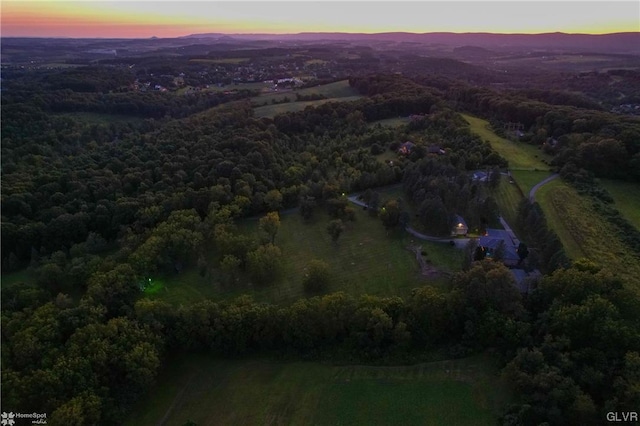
{"x":512,"y":234}
{"x":459,"y":242}
{"x":532,"y":193}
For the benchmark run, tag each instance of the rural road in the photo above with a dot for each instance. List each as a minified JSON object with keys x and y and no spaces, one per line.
{"x":532,"y":193}
{"x":459,"y":242}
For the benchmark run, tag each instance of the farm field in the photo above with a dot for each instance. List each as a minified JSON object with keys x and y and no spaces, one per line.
{"x":209,"y":391}
{"x":626,"y":196}
{"x":365,"y":260}
{"x":519,"y":155}
{"x":584,"y":233}
{"x":271,"y":111}
{"x":338,"y":91}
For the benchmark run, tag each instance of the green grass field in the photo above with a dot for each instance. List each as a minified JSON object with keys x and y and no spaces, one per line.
{"x":519,"y":155}
{"x":627,"y":199}
{"x":527,"y":179}
{"x":365,"y":260}
{"x":584,"y":233}
{"x":211,"y":391}
{"x":508,"y":197}
{"x":271,"y":111}
{"x":338,"y":91}
{"x":391,"y":122}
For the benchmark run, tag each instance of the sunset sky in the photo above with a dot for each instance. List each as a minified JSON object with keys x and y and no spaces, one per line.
{"x":125,"y":19}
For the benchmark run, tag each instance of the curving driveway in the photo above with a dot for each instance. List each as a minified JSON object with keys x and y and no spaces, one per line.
{"x":532,"y":193}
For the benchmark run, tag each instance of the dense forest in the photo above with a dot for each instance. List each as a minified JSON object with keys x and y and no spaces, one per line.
{"x":94,"y":208}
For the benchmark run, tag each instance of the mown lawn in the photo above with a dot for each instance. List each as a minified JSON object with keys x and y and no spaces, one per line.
{"x":519,"y":155}
{"x":364,"y":260}
{"x":584,"y":233}
{"x":508,"y":197}
{"x":627,"y":199}
{"x":211,"y":391}
{"x":527,"y":179}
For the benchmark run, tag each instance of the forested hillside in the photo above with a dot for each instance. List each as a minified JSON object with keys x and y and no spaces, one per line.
{"x":94,"y":210}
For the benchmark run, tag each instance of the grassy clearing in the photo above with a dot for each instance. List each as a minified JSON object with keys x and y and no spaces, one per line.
{"x":508,"y":197}
{"x":24,"y":275}
{"x":387,"y":156}
{"x":211,"y":391}
{"x":365,"y":260}
{"x":584,"y":233}
{"x":527,"y":179}
{"x":273,"y":110}
{"x":627,"y":199}
{"x":391,"y":122}
{"x":338,"y":89}
{"x":519,"y":155}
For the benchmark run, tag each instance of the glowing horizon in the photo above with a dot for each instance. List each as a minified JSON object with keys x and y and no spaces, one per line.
{"x":143,"y":19}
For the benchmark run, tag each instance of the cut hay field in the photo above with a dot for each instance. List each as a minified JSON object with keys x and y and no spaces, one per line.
{"x":626,"y":196}
{"x":209,"y":391}
{"x":365,"y":260}
{"x":584,"y":233}
{"x":519,"y":155}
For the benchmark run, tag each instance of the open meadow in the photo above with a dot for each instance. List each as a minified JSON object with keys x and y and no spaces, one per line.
{"x":338,"y":91}
{"x":209,"y":391}
{"x":584,"y":232}
{"x":519,"y":155}
{"x":365,"y":260}
{"x":626,"y":196}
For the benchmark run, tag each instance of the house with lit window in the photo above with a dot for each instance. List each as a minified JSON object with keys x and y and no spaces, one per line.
{"x":460,"y":227}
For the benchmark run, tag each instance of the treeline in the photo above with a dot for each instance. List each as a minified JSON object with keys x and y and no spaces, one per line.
{"x":603,"y":143}
{"x":441,"y":191}
{"x":584,"y":182}
{"x":90,"y":361}
{"x":570,"y":349}
{"x":546,"y":252}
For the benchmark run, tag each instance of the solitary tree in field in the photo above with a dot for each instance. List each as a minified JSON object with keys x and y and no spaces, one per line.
{"x":317,"y":279}
{"x":270,"y":225}
{"x":335,"y":229}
